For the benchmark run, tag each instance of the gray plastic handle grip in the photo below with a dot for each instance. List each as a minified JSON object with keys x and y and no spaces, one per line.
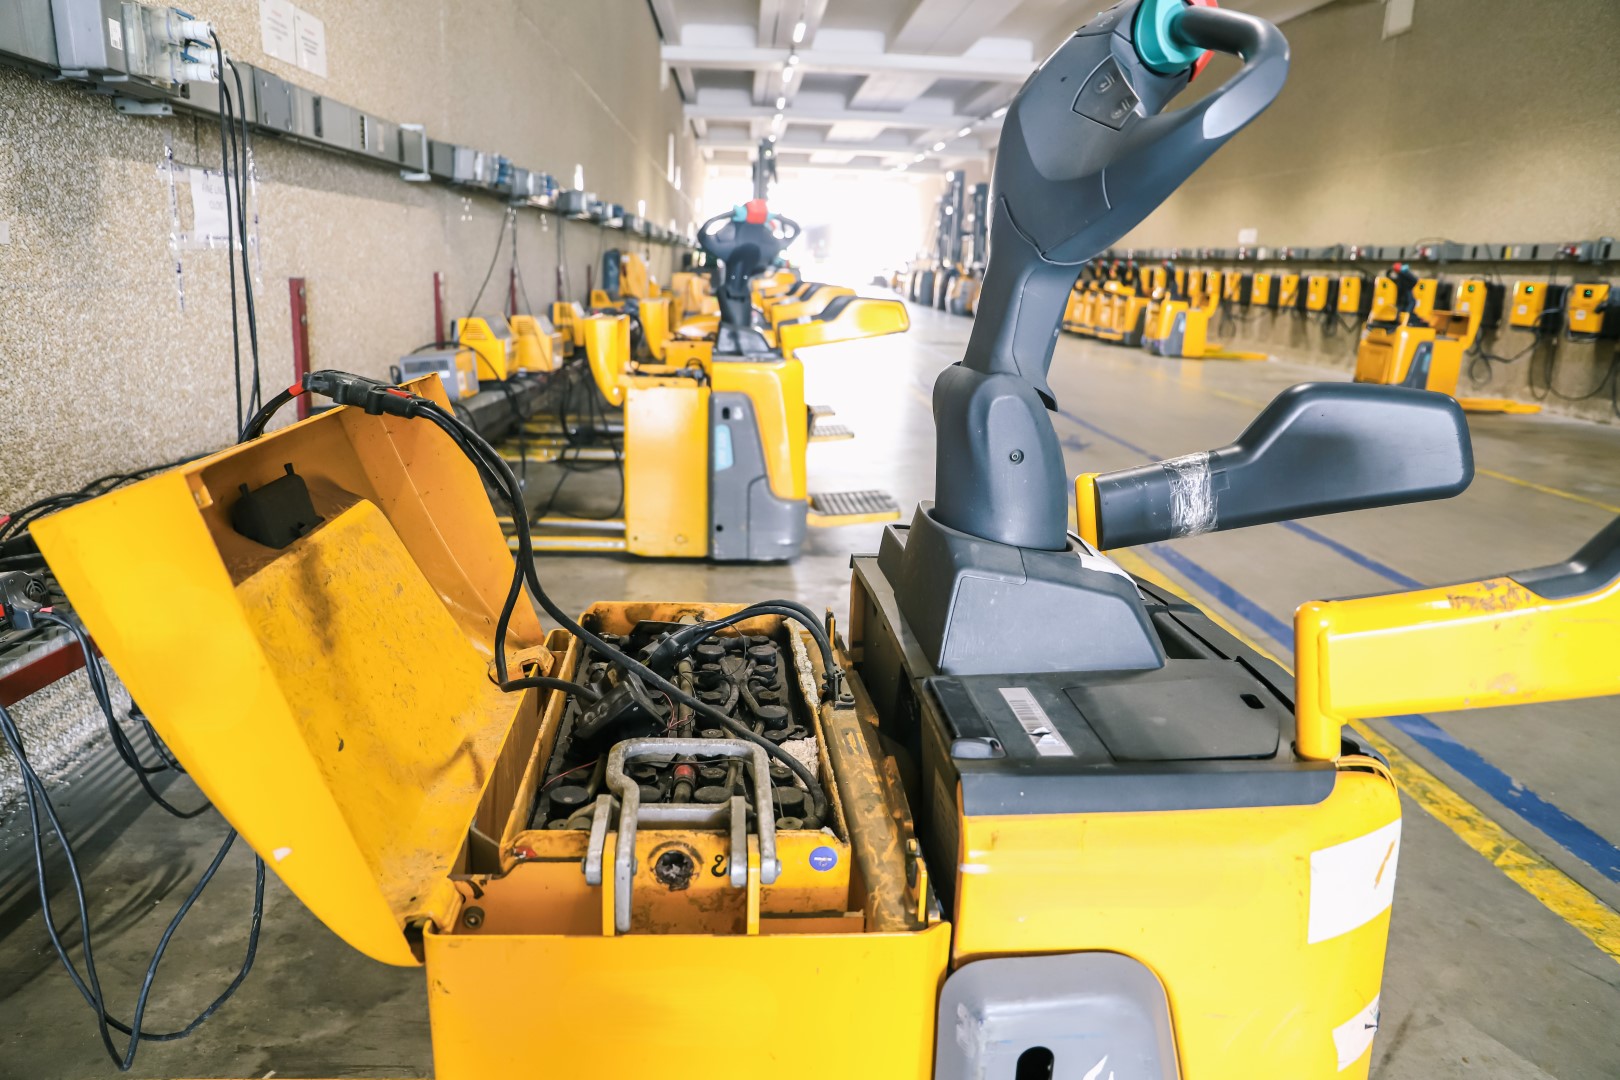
{"x":1067,"y":186}
{"x":1318,"y":448}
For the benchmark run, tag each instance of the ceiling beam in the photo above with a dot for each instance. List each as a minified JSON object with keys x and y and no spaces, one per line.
{"x":888,"y":118}
{"x":973,"y":68}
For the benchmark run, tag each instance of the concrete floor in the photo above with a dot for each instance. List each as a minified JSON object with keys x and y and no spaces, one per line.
{"x":1483,"y":979}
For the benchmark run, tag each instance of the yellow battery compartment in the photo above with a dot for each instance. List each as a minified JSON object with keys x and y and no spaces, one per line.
{"x":821,"y":934}
{"x":334,"y":699}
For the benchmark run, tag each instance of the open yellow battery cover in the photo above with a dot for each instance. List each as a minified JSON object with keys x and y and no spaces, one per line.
{"x":334,"y":698}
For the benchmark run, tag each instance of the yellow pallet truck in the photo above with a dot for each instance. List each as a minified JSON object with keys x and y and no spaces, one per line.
{"x":712,"y":443}
{"x":1407,"y":342}
{"x":1034,"y":819}
{"x":1125,"y":314}
{"x":1181,"y":323}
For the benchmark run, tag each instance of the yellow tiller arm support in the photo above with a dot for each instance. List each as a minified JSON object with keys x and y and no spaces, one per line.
{"x":607,"y":348}
{"x":1539,"y":635}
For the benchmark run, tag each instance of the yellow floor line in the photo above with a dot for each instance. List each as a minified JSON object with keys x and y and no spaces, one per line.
{"x":1545,"y":490}
{"x":1554,"y":889}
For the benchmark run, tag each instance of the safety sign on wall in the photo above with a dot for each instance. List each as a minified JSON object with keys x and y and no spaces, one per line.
{"x":292,"y":35}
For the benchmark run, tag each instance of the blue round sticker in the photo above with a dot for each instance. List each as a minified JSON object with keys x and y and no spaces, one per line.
{"x":823,"y":858}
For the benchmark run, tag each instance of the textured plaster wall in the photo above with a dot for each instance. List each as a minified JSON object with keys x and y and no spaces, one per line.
{"x":100,"y":367}
{"x":101,"y":370}
{"x":1490,"y":120}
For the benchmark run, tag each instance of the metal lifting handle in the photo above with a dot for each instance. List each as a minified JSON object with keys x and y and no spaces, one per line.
{"x":733,"y":814}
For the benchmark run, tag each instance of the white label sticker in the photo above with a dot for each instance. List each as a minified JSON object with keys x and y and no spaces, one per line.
{"x":115,"y":34}
{"x":5,"y":231}
{"x":1353,"y":883}
{"x":1352,"y":1038}
{"x":276,"y":19}
{"x":311,"y":42}
{"x":210,"y":215}
{"x":1036,"y":724}
{"x":1248,"y":236}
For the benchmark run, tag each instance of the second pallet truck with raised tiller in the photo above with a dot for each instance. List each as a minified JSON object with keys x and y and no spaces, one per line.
{"x":1408,"y":341}
{"x":713,"y":439}
{"x":1035,"y":818}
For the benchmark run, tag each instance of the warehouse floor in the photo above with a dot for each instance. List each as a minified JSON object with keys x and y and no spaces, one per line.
{"x":1486,"y":977}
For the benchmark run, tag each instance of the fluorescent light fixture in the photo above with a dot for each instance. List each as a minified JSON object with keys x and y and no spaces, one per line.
{"x":964,"y":133}
{"x":938,"y":147}
{"x":920,"y":157}
{"x":787,"y":75}
{"x":793,"y":60}
{"x":781,"y":103}
{"x":798,"y":31}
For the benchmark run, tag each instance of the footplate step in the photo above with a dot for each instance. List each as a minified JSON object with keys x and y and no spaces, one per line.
{"x":820,"y":432}
{"x":831,"y":508}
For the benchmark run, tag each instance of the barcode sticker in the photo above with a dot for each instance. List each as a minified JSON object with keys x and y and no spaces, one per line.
{"x":1036,"y":724}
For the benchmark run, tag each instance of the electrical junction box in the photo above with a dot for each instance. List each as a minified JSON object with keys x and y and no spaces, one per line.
{"x":1287,"y":291}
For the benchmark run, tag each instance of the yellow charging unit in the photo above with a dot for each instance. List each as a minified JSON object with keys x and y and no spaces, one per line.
{"x":1260,"y":289}
{"x":492,"y":349}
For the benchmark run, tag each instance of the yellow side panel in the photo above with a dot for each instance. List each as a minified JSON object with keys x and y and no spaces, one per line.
{"x":1378,"y":359}
{"x":1260,"y":290}
{"x":680,"y":352}
{"x":786,"y":1006}
{"x":777,"y":391}
{"x":1218,"y":903}
{"x":666,"y":468}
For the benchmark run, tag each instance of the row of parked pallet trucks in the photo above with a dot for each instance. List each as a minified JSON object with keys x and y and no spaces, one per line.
{"x":1416,"y":331}
{"x":635,"y":378}
{"x":954,"y":289}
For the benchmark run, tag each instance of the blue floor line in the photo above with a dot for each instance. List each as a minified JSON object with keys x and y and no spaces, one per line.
{"x":1389,"y":573}
{"x":1569,"y":832}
